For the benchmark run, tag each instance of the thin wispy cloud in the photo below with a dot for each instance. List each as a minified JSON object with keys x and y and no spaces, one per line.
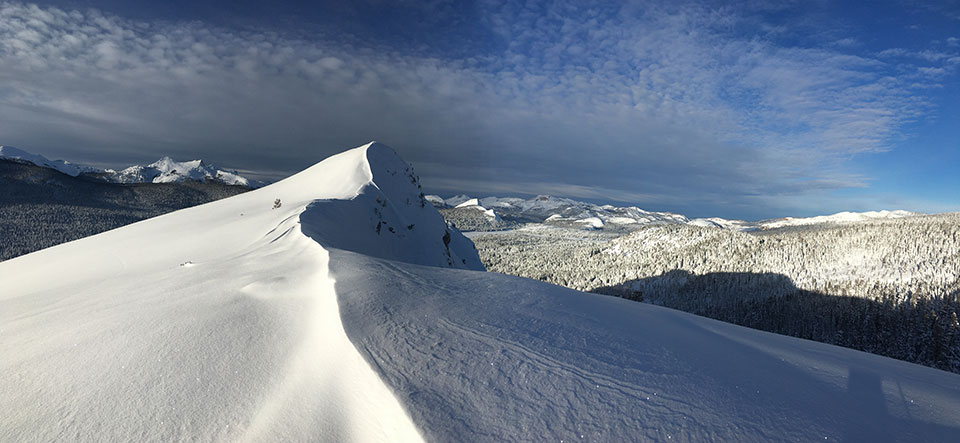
{"x":673,"y":106}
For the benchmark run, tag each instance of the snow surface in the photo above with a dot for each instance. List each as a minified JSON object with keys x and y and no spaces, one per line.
{"x":65,"y":167}
{"x":235,"y":321}
{"x":109,"y":338}
{"x":491,"y":357}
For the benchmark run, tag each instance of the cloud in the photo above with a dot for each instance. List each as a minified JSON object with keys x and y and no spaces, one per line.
{"x":649,"y":104}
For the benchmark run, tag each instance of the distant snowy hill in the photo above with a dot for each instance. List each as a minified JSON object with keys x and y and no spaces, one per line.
{"x":165,"y":170}
{"x":73,"y":170}
{"x":838,"y":218}
{"x":557,"y":211}
{"x":336,"y":305}
{"x":568,"y":213}
{"x":785,"y":222}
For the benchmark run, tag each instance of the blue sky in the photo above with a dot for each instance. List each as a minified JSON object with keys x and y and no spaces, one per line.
{"x":733,"y":109}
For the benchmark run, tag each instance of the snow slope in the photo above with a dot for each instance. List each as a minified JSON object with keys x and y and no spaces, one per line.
{"x":217,"y":322}
{"x":502,"y":358}
{"x":65,"y":167}
{"x":314,"y":321}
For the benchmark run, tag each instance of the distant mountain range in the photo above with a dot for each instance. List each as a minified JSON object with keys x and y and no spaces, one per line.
{"x":165,"y":170}
{"x":490,"y":213}
{"x":468,"y":213}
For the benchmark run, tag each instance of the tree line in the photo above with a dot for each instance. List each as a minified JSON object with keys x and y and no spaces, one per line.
{"x":889,"y":287}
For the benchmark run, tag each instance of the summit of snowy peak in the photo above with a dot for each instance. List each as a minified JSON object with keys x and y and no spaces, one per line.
{"x":389,"y":217}
{"x":71,"y":169}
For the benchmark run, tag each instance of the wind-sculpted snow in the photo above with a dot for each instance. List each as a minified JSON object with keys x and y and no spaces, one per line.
{"x":294,"y":313}
{"x":213,"y":323}
{"x":489,"y":357}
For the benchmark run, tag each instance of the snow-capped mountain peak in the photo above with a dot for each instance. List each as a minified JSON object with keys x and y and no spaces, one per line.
{"x":165,"y":170}
{"x":168,"y":170}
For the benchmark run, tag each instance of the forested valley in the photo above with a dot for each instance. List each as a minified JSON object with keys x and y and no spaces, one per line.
{"x":888,"y":287}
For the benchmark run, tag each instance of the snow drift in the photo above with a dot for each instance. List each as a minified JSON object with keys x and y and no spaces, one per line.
{"x":323,"y":308}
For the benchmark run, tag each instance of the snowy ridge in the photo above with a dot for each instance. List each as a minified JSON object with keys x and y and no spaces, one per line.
{"x":838,"y":218}
{"x":293,"y":312}
{"x":166,"y":170}
{"x":566,"y":212}
{"x":65,"y":167}
{"x":560,"y":212}
{"x":217,"y":322}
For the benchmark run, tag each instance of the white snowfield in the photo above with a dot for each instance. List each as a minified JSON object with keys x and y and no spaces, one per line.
{"x":336,"y":317}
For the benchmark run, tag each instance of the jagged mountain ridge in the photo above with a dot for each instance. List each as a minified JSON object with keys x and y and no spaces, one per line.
{"x":165,"y":170}
{"x":504,"y":212}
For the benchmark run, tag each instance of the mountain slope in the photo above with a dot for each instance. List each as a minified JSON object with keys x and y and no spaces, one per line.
{"x":500,"y":358}
{"x":73,"y":170}
{"x":41,"y":207}
{"x":248,"y":320}
{"x":217,"y":322}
